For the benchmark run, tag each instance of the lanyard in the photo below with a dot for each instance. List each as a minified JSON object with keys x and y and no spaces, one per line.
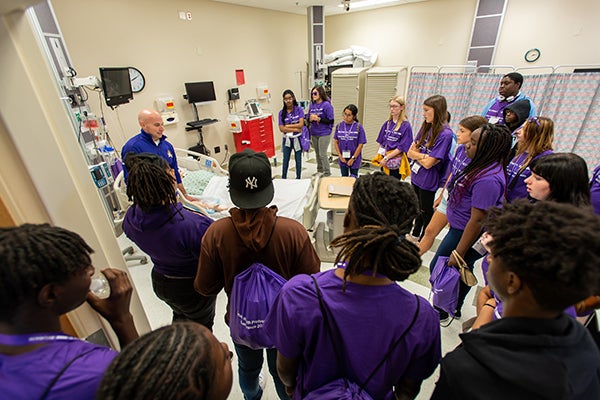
{"x":21,"y":340}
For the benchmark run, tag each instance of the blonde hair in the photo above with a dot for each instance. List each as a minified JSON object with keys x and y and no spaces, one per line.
{"x":402,"y":117}
{"x":536,"y":138}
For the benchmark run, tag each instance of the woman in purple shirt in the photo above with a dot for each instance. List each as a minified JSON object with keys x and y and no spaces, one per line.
{"x":429,"y":154}
{"x":369,"y":309}
{"x":349,"y":138}
{"x":291,"y":122}
{"x":595,"y":190}
{"x":534,"y":140}
{"x":395,"y":135}
{"x":320,"y":117}
{"x":478,"y":187}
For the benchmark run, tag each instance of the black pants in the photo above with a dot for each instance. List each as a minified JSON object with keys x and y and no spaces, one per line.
{"x":186,"y":303}
{"x":426,"y":198}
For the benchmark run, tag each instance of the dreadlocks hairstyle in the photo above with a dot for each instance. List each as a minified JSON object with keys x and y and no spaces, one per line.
{"x":32,"y":256}
{"x":553,"y":247}
{"x":538,"y":135}
{"x":384,"y":209}
{"x":431,"y":131}
{"x":172,"y":362}
{"x":149,"y":184}
{"x":492,"y":151}
{"x":567,"y":174}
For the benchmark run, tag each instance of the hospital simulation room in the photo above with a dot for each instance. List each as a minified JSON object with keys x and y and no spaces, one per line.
{"x":75,"y":75}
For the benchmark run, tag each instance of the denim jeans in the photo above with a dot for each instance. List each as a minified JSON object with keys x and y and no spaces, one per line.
{"x":249,"y":366}
{"x":286,"y":160}
{"x":344,"y":169}
{"x":448,"y":244}
{"x":186,"y":303}
{"x":321,"y":146}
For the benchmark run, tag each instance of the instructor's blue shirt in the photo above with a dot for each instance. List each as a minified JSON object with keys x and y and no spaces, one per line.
{"x":143,"y":143}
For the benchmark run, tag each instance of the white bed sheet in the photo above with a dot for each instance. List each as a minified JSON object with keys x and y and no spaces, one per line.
{"x":291,"y":195}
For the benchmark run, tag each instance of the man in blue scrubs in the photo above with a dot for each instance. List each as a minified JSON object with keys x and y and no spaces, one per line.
{"x":152,"y":140}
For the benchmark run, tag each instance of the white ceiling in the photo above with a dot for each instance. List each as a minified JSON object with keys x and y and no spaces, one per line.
{"x":331,"y":7}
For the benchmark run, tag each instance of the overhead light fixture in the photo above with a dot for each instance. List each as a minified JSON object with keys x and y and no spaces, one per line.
{"x":364,"y":3}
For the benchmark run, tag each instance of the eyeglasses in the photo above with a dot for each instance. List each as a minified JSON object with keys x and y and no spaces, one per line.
{"x":534,"y":120}
{"x":315,"y":93}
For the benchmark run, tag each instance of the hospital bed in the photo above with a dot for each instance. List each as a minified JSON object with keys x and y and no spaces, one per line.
{"x":204,"y":179}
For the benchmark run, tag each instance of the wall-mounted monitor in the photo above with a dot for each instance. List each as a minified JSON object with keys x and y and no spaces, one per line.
{"x":200,"y":92}
{"x":116,"y":85}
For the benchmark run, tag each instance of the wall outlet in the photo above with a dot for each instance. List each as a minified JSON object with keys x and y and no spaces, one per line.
{"x":217,"y":149}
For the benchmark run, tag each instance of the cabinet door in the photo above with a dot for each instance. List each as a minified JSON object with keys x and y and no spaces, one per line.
{"x":243,"y":139}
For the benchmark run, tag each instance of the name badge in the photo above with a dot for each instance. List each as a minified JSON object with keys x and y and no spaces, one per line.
{"x":346,"y":154}
{"x":415,"y":167}
{"x":381,"y":151}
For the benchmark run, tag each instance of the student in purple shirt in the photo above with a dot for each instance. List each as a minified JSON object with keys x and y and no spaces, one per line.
{"x":291,"y":122}
{"x":509,"y":92}
{"x":170,"y":234}
{"x":544,"y":257}
{"x":348,"y":139}
{"x":429,"y":154}
{"x":439,"y":221}
{"x":395,"y":135}
{"x":534,"y":140}
{"x":595,"y":190}
{"x":45,"y":272}
{"x":478,"y":187}
{"x":369,"y":309}
{"x":320,"y":117}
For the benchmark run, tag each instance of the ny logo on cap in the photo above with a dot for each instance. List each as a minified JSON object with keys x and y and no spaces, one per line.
{"x":251,"y":183}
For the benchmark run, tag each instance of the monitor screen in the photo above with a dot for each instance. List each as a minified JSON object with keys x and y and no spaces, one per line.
{"x":116,"y":85}
{"x":200,"y":92}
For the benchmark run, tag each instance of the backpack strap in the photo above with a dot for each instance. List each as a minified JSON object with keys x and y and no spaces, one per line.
{"x":61,"y":372}
{"x":338,"y":356}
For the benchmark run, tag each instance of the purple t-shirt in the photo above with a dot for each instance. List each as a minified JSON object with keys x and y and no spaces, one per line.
{"x":460,"y":160}
{"x":391,"y":139}
{"x":429,"y":179}
{"x":486,"y":191}
{"x":349,"y":137}
{"x":291,"y":117}
{"x":27,"y":375}
{"x":517,"y":189}
{"x":369,"y":319}
{"x":323,"y":109}
{"x":595,"y":190}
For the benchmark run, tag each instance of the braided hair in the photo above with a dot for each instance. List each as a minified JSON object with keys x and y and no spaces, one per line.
{"x":384,"y":209}
{"x":32,"y":256}
{"x":172,"y":362}
{"x":553,"y":247}
{"x":149,"y":184}
{"x":492,"y":150}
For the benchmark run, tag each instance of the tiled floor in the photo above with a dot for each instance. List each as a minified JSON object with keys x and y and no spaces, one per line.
{"x":159,"y":313}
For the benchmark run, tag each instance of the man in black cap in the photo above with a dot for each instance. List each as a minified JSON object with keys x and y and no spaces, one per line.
{"x":253,"y":233}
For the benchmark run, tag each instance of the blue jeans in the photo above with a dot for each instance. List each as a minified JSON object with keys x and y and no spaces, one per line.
{"x":448,"y":244}
{"x":344,"y":169}
{"x":286,"y":160}
{"x":249,"y":366}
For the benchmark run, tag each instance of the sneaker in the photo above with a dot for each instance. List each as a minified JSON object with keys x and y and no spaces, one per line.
{"x":262,"y":381}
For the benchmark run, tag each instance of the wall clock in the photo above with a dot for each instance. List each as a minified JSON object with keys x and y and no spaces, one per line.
{"x":138,"y":82}
{"x":532,"y":55}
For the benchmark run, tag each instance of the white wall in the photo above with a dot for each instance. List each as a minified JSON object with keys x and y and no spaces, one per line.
{"x":437,"y":32}
{"x":148,"y":34}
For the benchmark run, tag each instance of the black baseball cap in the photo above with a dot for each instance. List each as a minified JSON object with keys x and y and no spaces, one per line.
{"x":250,"y":180}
